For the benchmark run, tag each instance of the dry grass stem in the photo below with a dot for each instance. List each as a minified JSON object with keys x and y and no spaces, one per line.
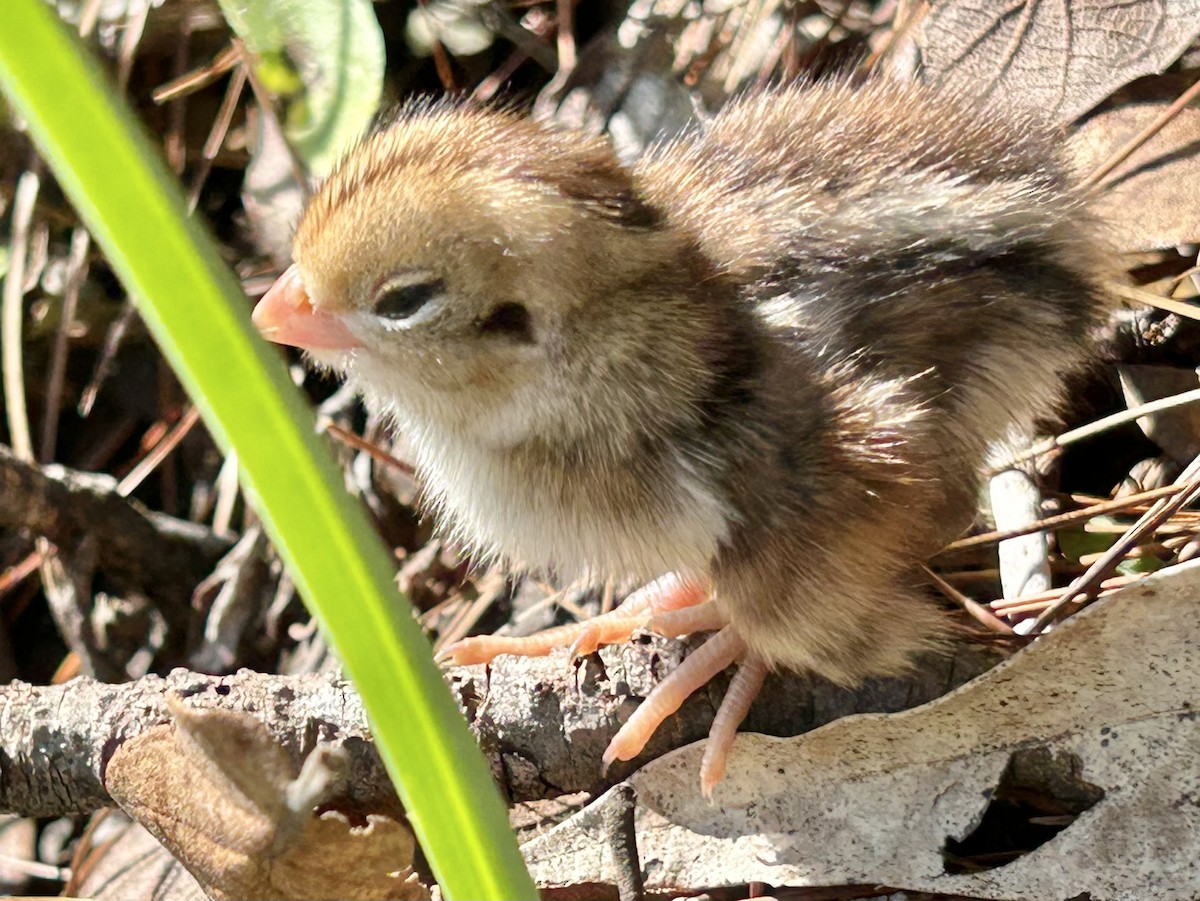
{"x":1163,"y":509}
{"x":376,"y":452}
{"x":13,"y":315}
{"x":974,"y":608}
{"x":1096,"y":178}
{"x":1110,"y":422}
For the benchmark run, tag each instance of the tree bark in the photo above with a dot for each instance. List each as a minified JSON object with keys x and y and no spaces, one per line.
{"x":542,"y":723}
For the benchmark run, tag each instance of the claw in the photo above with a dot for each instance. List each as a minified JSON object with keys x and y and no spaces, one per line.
{"x":734,"y":706}
{"x":700,"y":666}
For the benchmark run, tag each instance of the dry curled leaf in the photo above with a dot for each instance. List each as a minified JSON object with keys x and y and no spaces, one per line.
{"x":1095,"y":729}
{"x":1177,"y":430}
{"x":1149,"y":201}
{"x":218,"y":791}
{"x":1059,"y":58}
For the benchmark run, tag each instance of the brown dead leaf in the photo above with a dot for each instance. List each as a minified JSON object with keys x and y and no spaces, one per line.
{"x":122,"y":861}
{"x":1176,"y":430}
{"x":1059,"y":58}
{"x":219,"y":792}
{"x":1150,"y":201}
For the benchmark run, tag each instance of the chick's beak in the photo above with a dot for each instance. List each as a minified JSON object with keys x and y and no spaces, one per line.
{"x":285,"y":316}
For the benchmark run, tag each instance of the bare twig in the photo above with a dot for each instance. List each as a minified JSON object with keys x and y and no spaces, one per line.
{"x":566,"y":36}
{"x":1169,"y":304}
{"x":266,"y":103}
{"x":1062,"y":519}
{"x":14,"y":314}
{"x":900,"y":30}
{"x":376,"y":453}
{"x":975,"y":609}
{"x":1123,"y":153}
{"x":1109,"y":422}
{"x":158,"y":453}
{"x":1036,"y":603}
{"x":137,"y":549}
{"x":216,"y":135}
{"x":197,"y":78}
{"x":77,"y":270}
{"x":622,"y":843}
{"x":108,"y":354}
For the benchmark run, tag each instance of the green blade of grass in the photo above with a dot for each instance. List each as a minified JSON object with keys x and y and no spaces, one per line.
{"x":199,"y":316}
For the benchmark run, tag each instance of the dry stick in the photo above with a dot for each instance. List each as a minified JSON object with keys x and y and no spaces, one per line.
{"x":175,"y":134}
{"x":197,"y":78}
{"x":141,"y":470}
{"x":158,"y":452}
{"x":359,"y":443}
{"x":977,"y":610}
{"x":468,"y":615}
{"x":441,"y":61}
{"x":773,"y":56}
{"x":899,"y":31}
{"x":487,"y":89}
{"x":227,"y":490}
{"x":77,"y":270}
{"x":1178,"y":280}
{"x":1062,"y":519}
{"x":88,"y":16}
{"x":1142,"y":137}
{"x":88,"y":853}
{"x":19,"y":572}
{"x":566,"y":36}
{"x":216,"y":135}
{"x":131,"y":36}
{"x":1037,"y":605}
{"x":267,"y":105}
{"x":533,"y":41}
{"x":1108,"y":422}
{"x":1178,"y":307}
{"x":622,"y":843}
{"x":12,"y":315}
{"x":76,"y":274}
{"x":130,"y":39}
{"x":1189,"y":480}
{"x":1006,"y":606}
{"x":108,"y":354}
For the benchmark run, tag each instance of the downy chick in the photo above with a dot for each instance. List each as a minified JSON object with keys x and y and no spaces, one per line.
{"x":769,"y":359}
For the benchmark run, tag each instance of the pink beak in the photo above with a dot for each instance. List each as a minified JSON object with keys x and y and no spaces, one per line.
{"x":285,"y":316}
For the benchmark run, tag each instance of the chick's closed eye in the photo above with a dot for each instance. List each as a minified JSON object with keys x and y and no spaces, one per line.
{"x":402,"y":298}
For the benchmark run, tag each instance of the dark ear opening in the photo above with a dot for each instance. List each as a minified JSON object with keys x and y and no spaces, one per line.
{"x":511,"y":320}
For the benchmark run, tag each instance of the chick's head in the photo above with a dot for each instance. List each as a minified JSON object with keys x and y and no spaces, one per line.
{"x":468,"y":265}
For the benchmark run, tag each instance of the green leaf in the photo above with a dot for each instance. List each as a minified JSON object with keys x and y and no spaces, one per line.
{"x":1136,"y":566}
{"x":200,"y":318}
{"x":1076,"y":543}
{"x":327,"y":56}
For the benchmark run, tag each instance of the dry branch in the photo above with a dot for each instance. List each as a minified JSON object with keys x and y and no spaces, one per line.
{"x":542,"y":723}
{"x":136,"y":549}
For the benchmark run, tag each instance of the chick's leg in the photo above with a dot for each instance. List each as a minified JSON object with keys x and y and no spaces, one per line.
{"x":671,"y":606}
{"x":641,"y":609}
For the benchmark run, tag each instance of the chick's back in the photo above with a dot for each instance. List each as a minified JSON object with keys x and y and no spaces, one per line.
{"x":927,"y":272}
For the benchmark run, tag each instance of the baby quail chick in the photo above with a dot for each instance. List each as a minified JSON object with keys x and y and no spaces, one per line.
{"x":767,"y":360}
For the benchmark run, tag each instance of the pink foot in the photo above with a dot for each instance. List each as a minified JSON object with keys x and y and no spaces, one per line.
{"x":669,"y":593}
{"x":671,"y":606}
